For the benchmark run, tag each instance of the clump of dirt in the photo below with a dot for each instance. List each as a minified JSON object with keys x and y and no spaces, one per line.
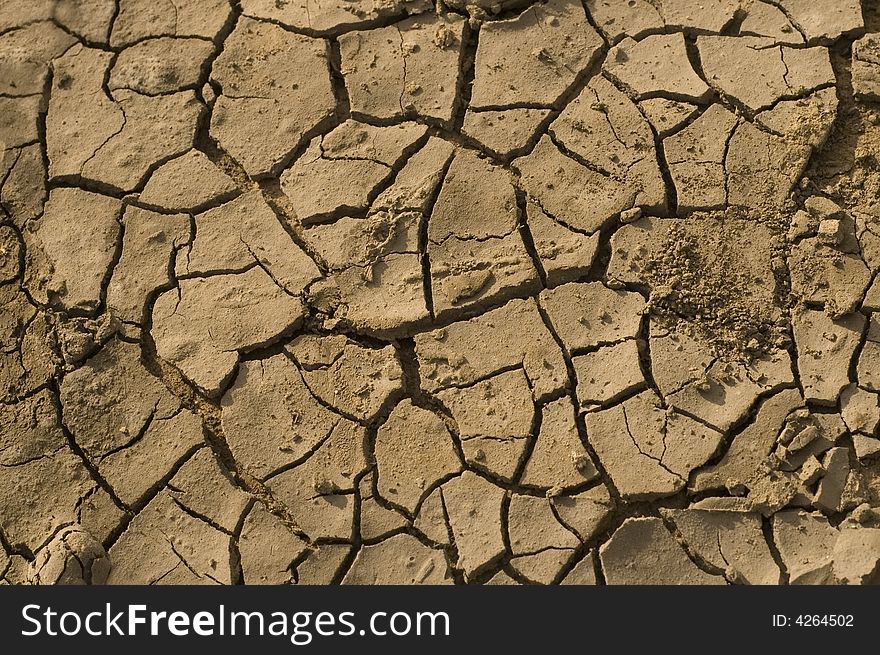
{"x":721,"y":279}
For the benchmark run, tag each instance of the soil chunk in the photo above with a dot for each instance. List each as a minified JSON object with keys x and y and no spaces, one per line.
{"x":494,"y":418}
{"x":411,"y":67}
{"x":401,"y":559}
{"x":643,"y":552}
{"x":455,"y":356}
{"x":202,"y":327}
{"x":656,"y":66}
{"x":534,"y":57}
{"x":474,"y":507}
{"x":276,"y":88}
{"x":414,"y":451}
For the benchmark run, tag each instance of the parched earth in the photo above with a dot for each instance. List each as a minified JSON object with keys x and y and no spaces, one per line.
{"x":389,"y":291}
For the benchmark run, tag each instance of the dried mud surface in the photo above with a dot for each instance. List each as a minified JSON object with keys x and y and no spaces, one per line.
{"x":394,"y":291}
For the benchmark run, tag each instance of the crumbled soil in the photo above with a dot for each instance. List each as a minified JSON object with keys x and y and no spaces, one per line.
{"x":416,"y":292}
{"x":717,"y":277}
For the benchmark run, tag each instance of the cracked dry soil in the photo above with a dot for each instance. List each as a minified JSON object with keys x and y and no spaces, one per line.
{"x":394,"y":291}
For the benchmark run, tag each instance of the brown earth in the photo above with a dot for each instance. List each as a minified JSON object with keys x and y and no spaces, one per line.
{"x":395,"y":291}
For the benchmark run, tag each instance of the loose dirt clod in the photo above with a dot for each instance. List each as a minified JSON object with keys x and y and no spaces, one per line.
{"x":73,"y":557}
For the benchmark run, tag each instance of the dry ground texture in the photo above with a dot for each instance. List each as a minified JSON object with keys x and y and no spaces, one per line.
{"x":389,"y":291}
